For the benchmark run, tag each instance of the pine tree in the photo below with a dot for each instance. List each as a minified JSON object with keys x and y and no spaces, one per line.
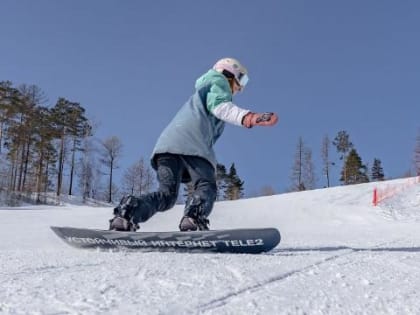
{"x":32,"y":97}
{"x":70,"y":123}
{"x":20,"y":137}
{"x":9,"y":97}
{"x":45,"y":154}
{"x":28,"y":131}
{"x":377,"y":171}
{"x":344,"y":145}
{"x":14,"y":113}
{"x":354,"y":172}
{"x":234,"y":189}
{"x":82,"y":130}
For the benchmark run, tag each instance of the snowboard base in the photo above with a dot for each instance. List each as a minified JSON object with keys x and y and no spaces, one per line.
{"x":247,"y":241}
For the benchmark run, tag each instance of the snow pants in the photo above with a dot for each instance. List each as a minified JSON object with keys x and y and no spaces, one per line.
{"x":171,"y":169}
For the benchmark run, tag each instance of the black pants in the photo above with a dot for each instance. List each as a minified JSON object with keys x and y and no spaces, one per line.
{"x":171,"y":169}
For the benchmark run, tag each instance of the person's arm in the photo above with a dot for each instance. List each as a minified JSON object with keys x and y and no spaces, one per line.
{"x":230,"y":113}
{"x":219,"y":103}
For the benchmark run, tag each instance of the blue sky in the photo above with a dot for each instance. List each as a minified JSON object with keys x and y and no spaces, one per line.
{"x":323,"y":66}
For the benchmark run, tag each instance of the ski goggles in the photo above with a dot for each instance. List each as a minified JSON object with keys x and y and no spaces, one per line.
{"x":242,"y":79}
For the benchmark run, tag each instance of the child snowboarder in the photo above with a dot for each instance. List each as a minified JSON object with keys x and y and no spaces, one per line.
{"x":184,"y":151}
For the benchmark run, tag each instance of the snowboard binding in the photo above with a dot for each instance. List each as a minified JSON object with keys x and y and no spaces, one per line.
{"x":193,"y":224}
{"x":123,"y":215}
{"x":194,"y":219}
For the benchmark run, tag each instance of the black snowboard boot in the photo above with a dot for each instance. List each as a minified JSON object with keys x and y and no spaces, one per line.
{"x":193,"y":224}
{"x":194,"y":218}
{"x":123,"y":215}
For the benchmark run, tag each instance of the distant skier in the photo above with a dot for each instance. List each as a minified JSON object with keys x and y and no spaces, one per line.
{"x":184,"y":151}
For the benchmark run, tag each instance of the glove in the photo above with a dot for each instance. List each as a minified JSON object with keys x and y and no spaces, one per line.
{"x":259,"y":119}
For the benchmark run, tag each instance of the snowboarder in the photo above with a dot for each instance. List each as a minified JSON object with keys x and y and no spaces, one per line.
{"x":184,"y":150}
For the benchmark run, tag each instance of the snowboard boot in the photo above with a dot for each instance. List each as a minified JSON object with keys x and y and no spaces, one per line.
{"x":123,"y":215}
{"x":193,"y":224}
{"x":194,"y":218}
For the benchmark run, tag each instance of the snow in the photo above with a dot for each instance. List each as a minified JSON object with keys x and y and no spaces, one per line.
{"x":338,"y":255}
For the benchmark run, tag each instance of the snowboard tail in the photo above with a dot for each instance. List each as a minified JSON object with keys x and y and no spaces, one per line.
{"x":248,"y":241}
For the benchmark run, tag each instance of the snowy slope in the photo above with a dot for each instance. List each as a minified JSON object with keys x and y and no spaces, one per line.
{"x":338,"y":255}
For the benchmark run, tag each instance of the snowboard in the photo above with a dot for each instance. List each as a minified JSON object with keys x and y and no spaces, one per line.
{"x":246,"y":241}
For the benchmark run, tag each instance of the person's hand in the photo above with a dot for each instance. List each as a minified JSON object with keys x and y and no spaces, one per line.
{"x":259,"y":119}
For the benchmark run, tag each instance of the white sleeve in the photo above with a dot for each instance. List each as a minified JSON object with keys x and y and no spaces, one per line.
{"x":230,"y":113}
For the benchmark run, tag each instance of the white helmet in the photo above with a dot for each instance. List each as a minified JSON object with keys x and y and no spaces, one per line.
{"x":234,"y":69}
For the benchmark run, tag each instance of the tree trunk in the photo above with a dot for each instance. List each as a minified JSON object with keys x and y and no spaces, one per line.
{"x":110,"y":183}
{"x":60,"y":166}
{"x":39,"y":177}
{"x":22,"y":159}
{"x":25,"y":169}
{"x":72,"y":166}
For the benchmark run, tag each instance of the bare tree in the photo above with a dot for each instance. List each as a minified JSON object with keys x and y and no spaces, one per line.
{"x":308,"y":170}
{"x":138,"y":178}
{"x":297,"y":170}
{"x":267,"y":191}
{"x":110,"y":153}
{"x":87,"y":166}
{"x":303,"y":175}
{"x":325,"y":155}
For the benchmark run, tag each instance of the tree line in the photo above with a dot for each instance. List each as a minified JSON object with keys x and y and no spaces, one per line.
{"x":353,"y":170}
{"x":35,"y":139}
{"x":53,"y":149}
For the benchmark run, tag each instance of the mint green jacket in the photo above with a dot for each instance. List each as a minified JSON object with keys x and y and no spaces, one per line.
{"x":194,"y":130}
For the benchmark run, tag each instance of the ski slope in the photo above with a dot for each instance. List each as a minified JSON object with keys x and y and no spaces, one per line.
{"x":338,"y":255}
